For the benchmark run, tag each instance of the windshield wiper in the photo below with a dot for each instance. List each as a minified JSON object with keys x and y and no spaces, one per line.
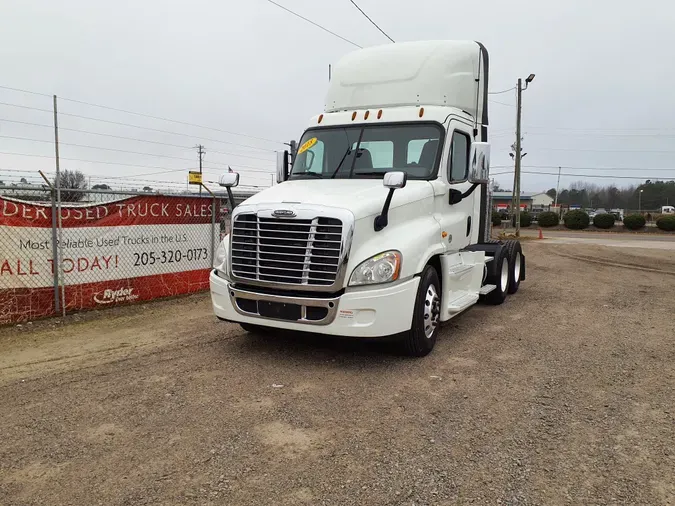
{"x":349,"y":150}
{"x":307,"y":173}
{"x":372,"y":173}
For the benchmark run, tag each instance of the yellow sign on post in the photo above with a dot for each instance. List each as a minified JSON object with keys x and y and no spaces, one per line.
{"x":194,"y":177}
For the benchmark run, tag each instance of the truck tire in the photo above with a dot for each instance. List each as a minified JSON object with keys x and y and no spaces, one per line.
{"x":498,"y":274}
{"x":421,"y":337}
{"x":516,"y":260}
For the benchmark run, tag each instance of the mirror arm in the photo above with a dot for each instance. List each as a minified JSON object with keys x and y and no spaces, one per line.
{"x":382,"y":220}
{"x":231,"y":198}
{"x":470,"y":190}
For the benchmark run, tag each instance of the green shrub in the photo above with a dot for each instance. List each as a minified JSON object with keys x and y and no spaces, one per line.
{"x":496,"y":219}
{"x":548,"y":219}
{"x":666,"y":222}
{"x":577,"y":219}
{"x":604,"y":220}
{"x":525,"y":219}
{"x":634,"y":221}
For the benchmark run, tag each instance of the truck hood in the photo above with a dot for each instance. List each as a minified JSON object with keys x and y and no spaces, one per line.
{"x":363,"y":197}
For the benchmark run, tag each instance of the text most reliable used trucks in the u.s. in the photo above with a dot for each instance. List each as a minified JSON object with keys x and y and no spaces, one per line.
{"x":381,"y":227}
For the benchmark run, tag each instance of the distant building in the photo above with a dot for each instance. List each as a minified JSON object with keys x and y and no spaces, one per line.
{"x":541,"y":200}
{"x":501,"y":201}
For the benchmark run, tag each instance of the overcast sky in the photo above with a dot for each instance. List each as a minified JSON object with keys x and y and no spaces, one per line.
{"x":602,"y":96}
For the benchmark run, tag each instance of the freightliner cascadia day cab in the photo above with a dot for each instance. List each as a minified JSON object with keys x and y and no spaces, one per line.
{"x":381,"y":226}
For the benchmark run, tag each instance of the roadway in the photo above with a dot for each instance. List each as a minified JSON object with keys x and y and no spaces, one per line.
{"x":615,"y":240}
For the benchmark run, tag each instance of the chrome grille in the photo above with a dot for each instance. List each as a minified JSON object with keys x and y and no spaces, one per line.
{"x":289,"y":251}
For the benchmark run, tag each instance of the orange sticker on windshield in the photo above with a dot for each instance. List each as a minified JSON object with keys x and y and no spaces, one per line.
{"x":307,"y":145}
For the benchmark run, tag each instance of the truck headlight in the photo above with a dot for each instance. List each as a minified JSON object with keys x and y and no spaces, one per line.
{"x":382,"y":268}
{"x":221,"y":256}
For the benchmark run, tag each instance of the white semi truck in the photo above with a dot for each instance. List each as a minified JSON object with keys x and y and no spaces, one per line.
{"x":381,"y":225}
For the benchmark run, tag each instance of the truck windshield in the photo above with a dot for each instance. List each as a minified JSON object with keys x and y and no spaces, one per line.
{"x":364,"y":151}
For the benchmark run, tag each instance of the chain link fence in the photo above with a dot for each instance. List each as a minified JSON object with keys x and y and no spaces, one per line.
{"x":97,"y":248}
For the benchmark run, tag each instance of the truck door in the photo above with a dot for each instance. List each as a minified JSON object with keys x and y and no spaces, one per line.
{"x":459,"y":221}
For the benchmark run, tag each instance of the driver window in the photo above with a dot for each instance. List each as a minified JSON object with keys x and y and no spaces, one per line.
{"x":459,"y":157}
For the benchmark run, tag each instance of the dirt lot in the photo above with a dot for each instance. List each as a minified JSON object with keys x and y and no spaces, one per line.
{"x":563,"y":395}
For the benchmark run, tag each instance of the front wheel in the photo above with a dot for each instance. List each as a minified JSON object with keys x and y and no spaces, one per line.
{"x":421,"y":337}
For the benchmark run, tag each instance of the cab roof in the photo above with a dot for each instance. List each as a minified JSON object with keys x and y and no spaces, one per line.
{"x":440,"y":73}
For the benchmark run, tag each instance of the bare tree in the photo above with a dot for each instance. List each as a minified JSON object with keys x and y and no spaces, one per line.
{"x":72,"y":180}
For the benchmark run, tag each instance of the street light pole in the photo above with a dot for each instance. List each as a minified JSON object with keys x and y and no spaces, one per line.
{"x":640,"y":202}
{"x":516,"y":190}
{"x":519,"y":105}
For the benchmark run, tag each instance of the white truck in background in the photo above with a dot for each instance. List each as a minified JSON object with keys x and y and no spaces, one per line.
{"x":667,"y":210}
{"x":381,"y":227}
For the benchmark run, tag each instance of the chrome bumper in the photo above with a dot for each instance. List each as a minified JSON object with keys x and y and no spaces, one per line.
{"x":330,"y":304}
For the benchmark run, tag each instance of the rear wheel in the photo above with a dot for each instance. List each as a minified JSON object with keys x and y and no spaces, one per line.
{"x":498,"y":275}
{"x":516,"y":259}
{"x":421,"y":337}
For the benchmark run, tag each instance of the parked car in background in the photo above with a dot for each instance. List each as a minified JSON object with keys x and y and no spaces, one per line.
{"x":618,"y":214}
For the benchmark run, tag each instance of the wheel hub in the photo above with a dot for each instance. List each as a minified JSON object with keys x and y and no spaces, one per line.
{"x":432,"y":311}
{"x":504,"y":276}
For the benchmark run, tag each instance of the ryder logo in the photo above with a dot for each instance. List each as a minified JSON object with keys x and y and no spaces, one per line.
{"x":111,"y":296}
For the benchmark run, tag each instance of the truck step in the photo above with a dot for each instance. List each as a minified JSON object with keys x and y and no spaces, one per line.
{"x":462,"y":302}
{"x":459,"y":270}
{"x":485,"y":289}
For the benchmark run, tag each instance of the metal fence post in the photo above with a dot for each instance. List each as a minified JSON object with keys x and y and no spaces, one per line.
{"x":213,"y":232}
{"x":55,"y":251}
{"x":55,"y":254}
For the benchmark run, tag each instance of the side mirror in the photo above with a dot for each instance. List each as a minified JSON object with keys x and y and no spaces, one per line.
{"x":229,"y":179}
{"x":282,"y":166}
{"x":479,"y":163}
{"x":395,"y":180}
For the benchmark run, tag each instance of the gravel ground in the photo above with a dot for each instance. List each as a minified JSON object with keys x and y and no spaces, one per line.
{"x":563,"y":395}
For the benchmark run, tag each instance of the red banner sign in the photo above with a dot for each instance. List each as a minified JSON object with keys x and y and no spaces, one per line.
{"x":130,"y":250}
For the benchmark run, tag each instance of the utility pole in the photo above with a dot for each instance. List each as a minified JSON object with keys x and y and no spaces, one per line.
{"x":557,"y":188}
{"x":201,"y":153}
{"x":518,"y":154}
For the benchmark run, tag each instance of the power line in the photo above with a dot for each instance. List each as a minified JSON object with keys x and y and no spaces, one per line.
{"x":595,"y":168}
{"x":18,"y":174}
{"x":124,"y":124}
{"x":134,"y":138}
{"x":599,"y":134}
{"x":601,"y":129}
{"x":130,"y":152}
{"x":144,"y":115}
{"x":315,"y":24}
{"x":501,"y":103}
{"x":500,"y":92}
{"x":608,"y":150}
{"x":118,"y":150}
{"x":214,"y":169}
{"x":369,"y":19}
{"x":596,"y":176}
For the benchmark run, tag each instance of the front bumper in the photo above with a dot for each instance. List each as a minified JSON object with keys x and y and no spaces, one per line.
{"x":375,"y":312}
